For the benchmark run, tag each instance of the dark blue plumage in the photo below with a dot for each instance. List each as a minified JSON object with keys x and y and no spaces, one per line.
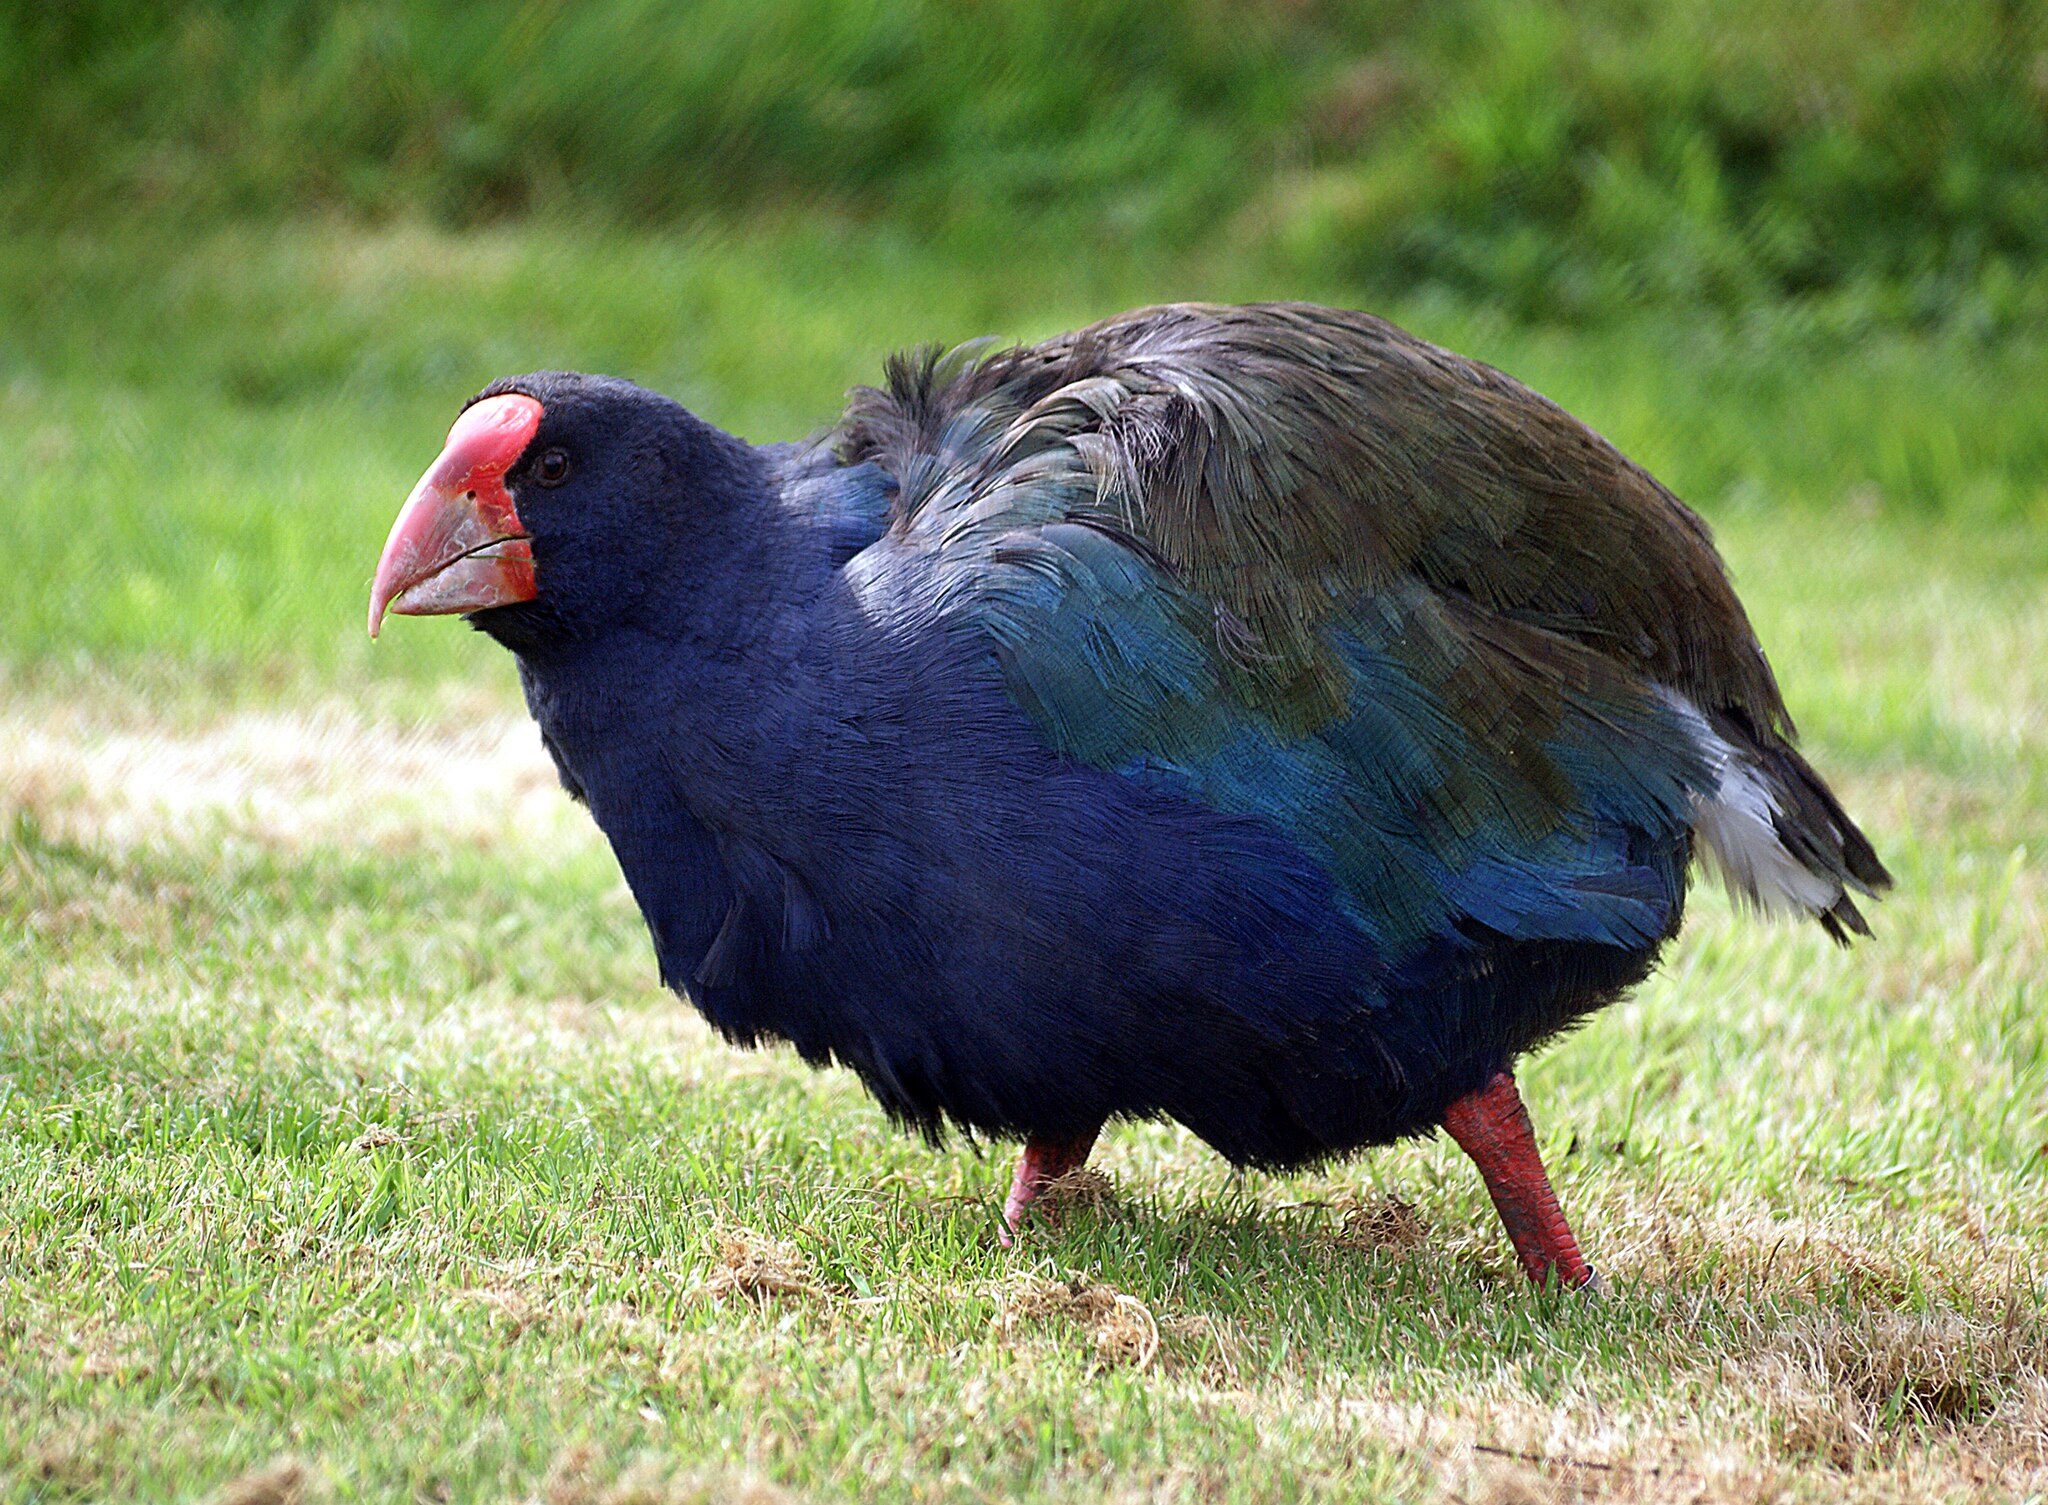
{"x":1046,"y":757}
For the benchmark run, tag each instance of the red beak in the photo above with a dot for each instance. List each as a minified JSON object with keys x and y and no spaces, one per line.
{"x":458,"y":544}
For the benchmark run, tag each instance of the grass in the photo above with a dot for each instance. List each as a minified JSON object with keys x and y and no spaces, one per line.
{"x":1557,"y":160}
{"x":215,"y":430}
{"x":348,"y":1149}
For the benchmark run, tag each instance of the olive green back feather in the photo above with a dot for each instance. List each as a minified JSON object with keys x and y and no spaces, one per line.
{"x":1282,"y":459}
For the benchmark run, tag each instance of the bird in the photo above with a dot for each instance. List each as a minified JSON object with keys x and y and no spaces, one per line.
{"x":1252,"y":716}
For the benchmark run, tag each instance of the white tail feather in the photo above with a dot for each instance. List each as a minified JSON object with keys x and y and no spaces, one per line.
{"x":1736,"y":828}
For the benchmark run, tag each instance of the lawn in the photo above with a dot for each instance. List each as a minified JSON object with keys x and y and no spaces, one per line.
{"x":348,"y":1149}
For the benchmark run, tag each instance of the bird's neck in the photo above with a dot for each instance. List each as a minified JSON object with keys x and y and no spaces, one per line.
{"x":689,"y":735}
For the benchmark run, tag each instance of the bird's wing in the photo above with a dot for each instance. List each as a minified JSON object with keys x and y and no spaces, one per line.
{"x":1316,"y":569}
{"x":850,"y":504}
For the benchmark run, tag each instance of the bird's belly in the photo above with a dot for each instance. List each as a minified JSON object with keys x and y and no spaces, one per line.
{"x":1150,"y":957}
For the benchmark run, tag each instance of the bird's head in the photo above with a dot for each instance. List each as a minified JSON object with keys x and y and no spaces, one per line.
{"x":556,"y":500}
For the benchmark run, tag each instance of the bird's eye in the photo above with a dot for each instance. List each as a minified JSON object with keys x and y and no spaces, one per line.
{"x":552,"y":468}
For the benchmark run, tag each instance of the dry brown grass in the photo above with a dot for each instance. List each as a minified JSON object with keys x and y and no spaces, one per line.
{"x":283,"y":1482}
{"x":1387,"y":1225}
{"x":1119,"y":1325}
{"x":756,"y":1267}
{"x":1084,"y":1188}
{"x":325,"y":773}
{"x":581,"y":1476}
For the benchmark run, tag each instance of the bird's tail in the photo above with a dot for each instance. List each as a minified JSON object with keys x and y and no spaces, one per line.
{"x":1776,"y":833}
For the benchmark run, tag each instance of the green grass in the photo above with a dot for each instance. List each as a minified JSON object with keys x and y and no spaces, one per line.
{"x":215,"y":431}
{"x":343,"y":1128}
{"x":1890,"y":156}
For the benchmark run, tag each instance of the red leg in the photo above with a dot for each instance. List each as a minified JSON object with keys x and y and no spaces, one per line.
{"x":1492,"y":1126}
{"x":1044,"y":1161}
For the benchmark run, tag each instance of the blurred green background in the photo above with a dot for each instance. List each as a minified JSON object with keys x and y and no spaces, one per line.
{"x":1558,"y":162}
{"x":257,"y":253}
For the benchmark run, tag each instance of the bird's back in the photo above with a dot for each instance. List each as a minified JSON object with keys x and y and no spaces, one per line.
{"x":1329,"y":535}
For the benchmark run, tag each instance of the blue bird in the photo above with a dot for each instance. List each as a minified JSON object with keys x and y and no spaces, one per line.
{"x":1251,"y":716}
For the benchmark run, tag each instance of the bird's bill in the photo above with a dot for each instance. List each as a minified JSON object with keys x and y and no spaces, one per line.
{"x":458,"y":544}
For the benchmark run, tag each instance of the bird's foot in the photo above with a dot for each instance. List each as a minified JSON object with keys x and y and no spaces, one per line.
{"x":1492,"y":1126}
{"x":1043,"y":1162}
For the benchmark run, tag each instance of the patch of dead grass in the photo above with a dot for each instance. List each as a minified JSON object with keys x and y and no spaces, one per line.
{"x":282,"y":1482}
{"x":1848,"y":1389}
{"x":1084,"y":1187}
{"x":1121,"y":1327}
{"x":72,"y":1460}
{"x":1389,"y":1224}
{"x":756,"y":1267}
{"x":1803,"y":1399}
{"x":325,"y":773}
{"x":580,"y":1476}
